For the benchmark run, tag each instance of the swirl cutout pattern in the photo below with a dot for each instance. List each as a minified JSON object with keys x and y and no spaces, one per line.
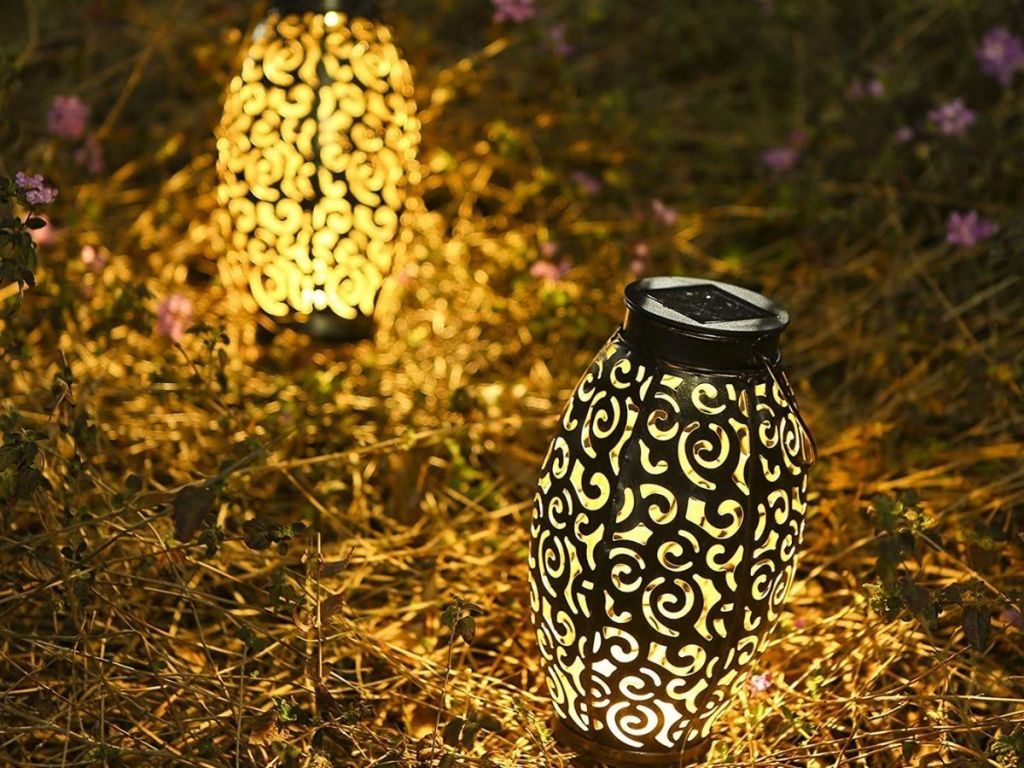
{"x":316,"y":149}
{"x":666,"y":524}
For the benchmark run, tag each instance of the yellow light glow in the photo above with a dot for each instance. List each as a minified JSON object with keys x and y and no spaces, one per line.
{"x":316,"y":151}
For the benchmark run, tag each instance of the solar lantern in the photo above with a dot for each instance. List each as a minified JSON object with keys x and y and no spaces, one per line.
{"x":667,"y":520}
{"x":316,"y":153}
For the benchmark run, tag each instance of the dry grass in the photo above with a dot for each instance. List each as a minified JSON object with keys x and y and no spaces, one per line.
{"x":412,"y":464}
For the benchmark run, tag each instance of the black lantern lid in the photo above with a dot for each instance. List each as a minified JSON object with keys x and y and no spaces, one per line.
{"x":367,"y":9}
{"x":703,"y":323}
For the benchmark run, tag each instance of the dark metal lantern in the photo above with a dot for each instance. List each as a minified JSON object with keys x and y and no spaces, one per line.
{"x":666,"y":524}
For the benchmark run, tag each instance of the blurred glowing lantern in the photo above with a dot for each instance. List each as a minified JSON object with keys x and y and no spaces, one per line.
{"x":667,"y":520}
{"x":316,"y":150}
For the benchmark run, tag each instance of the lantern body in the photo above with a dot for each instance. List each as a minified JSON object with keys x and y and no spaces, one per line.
{"x":666,"y":523}
{"x":316,"y":149}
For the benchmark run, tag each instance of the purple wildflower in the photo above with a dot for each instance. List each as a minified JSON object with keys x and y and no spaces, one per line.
{"x":785,"y":156}
{"x":758,"y":684}
{"x":513,"y":10}
{"x":903,"y":134}
{"x":67,"y":117}
{"x":557,"y":41}
{"x":90,"y":154}
{"x":174,"y":316}
{"x":589,"y":184}
{"x":952,"y":118}
{"x":968,"y":229}
{"x":780,"y":159}
{"x":549,"y":270}
{"x":664,"y":214}
{"x":1001,"y":54}
{"x":36,"y":191}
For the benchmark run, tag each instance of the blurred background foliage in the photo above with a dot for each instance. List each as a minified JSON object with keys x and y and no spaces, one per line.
{"x":220,"y":552}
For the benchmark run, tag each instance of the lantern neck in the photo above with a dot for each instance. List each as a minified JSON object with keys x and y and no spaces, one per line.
{"x":367,"y":9}
{"x":702,"y":324}
{"x":702,"y":353}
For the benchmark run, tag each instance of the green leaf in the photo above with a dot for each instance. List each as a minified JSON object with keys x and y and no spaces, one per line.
{"x":977,"y":621}
{"x":256,"y":534}
{"x":190,"y":506}
{"x":466,"y":628}
{"x":469,"y":735}
{"x":253,"y":643}
{"x":450,"y":615}
{"x":490,"y":723}
{"x":211,"y":537}
{"x":451,"y":732}
{"x":26,"y":482}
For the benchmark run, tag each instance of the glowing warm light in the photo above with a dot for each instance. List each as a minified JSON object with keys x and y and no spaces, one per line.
{"x":316,"y":151}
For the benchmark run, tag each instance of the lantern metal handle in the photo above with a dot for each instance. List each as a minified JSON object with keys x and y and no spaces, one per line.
{"x":808,"y":448}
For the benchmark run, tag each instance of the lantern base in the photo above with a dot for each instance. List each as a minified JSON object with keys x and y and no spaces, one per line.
{"x":322,"y":326}
{"x":591,"y":752}
{"x":326,"y":326}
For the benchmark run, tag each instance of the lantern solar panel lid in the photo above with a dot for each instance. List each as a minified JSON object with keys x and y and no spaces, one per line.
{"x":703,"y":322}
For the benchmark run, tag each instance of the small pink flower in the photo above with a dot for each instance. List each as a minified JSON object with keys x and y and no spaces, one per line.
{"x":663,"y":213}
{"x":589,"y":184}
{"x":858,"y":90}
{"x":90,"y":154}
{"x":174,"y":316}
{"x":67,"y":117}
{"x":549,"y":270}
{"x":903,"y":134}
{"x":800,"y":622}
{"x":641,"y":260}
{"x":549,"y":249}
{"x":1001,"y":54}
{"x":1013,"y":617}
{"x":93,"y":258}
{"x":758,"y":684}
{"x":952,"y":118}
{"x":36,"y":191}
{"x":785,"y":157}
{"x":513,"y":10}
{"x":968,"y":229}
{"x":46,"y":234}
{"x":557,"y":41}
{"x":780,"y":159}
